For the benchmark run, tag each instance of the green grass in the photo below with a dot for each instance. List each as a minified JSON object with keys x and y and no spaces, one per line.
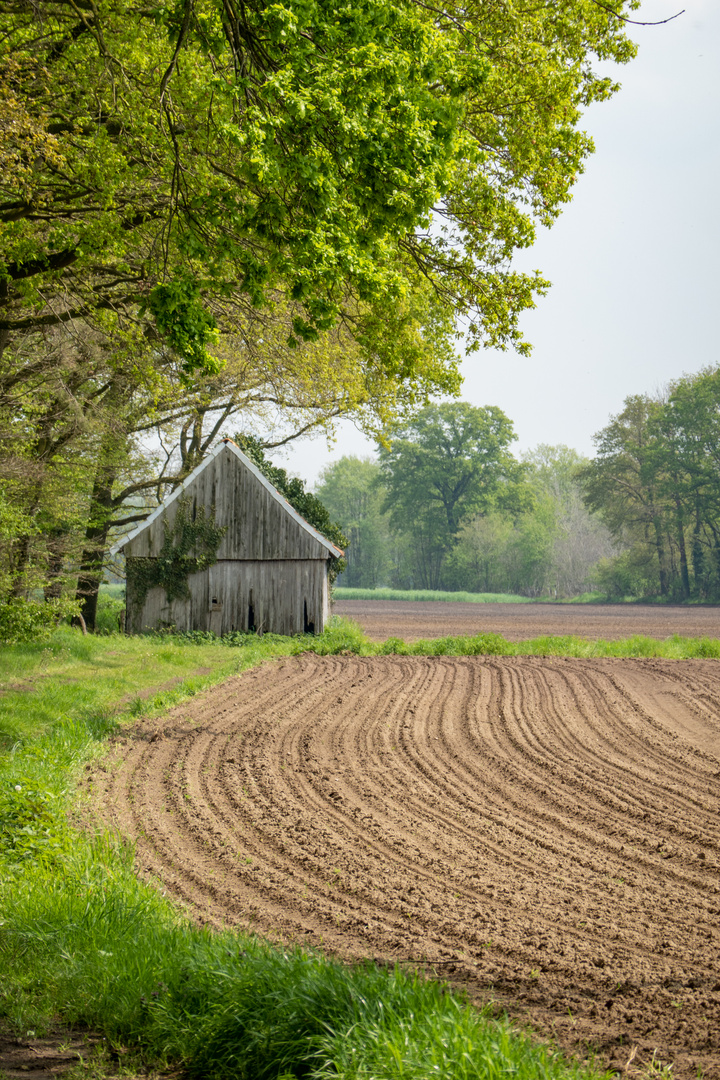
{"x":81,"y":938}
{"x":86,"y":679}
{"x":113,"y":954}
{"x":340,"y":593}
{"x":675,"y":648}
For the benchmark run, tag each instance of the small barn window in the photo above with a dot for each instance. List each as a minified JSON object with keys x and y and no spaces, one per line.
{"x":216,"y":604}
{"x":309,"y":626}
{"x":251,"y":612}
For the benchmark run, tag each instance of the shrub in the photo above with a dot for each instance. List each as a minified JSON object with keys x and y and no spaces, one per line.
{"x":31,"y":620}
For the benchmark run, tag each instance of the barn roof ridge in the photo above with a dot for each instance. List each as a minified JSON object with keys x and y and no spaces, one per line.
{"x":234,"y":449}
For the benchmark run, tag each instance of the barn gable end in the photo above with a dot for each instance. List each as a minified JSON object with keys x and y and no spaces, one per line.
{"x":271,"y":571}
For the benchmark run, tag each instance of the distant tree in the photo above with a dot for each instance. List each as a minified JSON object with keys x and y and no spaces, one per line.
{"x":350,"y":488}
{"x":578,"y":538}
{"x":448,"y":463}
{"x":622,"y":483}
{"x":550,"y":548}
{"x":688,"y":455}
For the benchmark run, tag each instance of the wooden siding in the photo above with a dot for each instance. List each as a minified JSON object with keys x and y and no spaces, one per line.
{"x":282,"y":594}
{"x":260,"y":525}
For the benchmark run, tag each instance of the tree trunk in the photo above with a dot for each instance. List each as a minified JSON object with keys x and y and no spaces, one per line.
{"x":698,"y":556}
{"x":99,"y":516}
{"x":684,"y":571}
{"x":93,"y":556}
{"x":660,"y":549}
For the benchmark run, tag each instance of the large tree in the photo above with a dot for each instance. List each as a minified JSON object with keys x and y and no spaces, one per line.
{"x":623,"y":483}
{"x":449,"y":462}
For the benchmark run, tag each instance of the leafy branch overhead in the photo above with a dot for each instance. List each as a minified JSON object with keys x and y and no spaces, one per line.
{"x":290,"y":147}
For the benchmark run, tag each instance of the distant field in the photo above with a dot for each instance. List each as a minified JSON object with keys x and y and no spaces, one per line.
{"x":411,"y":621}
{"x":424,"y":595}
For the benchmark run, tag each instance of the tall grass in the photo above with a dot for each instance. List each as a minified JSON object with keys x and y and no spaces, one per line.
{"x":675,"y":647}
{"x":113,"y":954}
{"x":340,"y":593}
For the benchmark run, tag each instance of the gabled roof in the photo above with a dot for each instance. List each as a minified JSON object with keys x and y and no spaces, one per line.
{"x":228,"y":445}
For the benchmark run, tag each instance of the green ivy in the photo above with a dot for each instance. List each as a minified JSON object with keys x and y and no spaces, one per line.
{"x":173,"y":566}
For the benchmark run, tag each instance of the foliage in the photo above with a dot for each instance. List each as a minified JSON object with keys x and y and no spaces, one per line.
{"x":185,"y":324}
{"x":110,"y":609}
{"x":351,"y":490}
{"x":31,"y":826}
{"x":550,"y":549}
{"x":190,"y":546}
{"x":211,"y":209}
{"x":451,"y":461}
{"x":31,"y":620}
{"x":656,"y":481}
{"x":533,"y":537}
{"x":155,"y":146}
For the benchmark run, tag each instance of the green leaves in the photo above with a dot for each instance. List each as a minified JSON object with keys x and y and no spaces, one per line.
{"x":186,"y":324}
{"x":450,"y":461}
{"x":656,"y":480}
{"x":289,"y":147}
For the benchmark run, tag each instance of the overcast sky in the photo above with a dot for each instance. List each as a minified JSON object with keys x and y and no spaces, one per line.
{"x":635,"y":299}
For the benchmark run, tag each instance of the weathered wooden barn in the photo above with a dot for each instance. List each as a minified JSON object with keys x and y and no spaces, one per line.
{"x":254,"y":562}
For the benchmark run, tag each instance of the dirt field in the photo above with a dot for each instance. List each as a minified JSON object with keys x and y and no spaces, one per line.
{"x":542,"y":832}
{"x":410,"y":620}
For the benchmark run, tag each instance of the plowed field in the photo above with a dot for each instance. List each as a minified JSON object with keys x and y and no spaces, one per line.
{"x":413,"y":619}
{"x":543,"y":832}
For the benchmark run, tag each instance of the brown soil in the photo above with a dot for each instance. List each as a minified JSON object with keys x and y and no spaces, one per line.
{"x":61,"y":1052}
{"x":542,"y":832}
{"x":410,"y":620}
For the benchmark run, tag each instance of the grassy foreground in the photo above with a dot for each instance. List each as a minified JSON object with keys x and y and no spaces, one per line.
{"x":82,"y":939}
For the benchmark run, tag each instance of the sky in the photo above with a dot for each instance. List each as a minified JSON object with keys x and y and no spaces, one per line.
{"x":633,"y":259}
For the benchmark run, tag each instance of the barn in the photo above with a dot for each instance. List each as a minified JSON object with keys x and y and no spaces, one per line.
{"x":225,"y":551}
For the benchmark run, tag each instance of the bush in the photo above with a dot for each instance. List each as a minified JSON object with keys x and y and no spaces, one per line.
{"x":31,"y":620}
{"x":110,"y":607}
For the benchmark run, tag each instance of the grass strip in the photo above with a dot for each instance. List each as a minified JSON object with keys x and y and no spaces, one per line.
{"x":82,"y":938}
{"x":638,"y":645}
{"x":341,"y":593}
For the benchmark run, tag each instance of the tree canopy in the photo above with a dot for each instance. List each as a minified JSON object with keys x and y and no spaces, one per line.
{"x":169,"y":157}
{"x":656,"y":481}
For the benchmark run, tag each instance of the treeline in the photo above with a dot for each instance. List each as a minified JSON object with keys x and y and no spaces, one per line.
{"x":447,"y":506}
{"x":656,"y":482}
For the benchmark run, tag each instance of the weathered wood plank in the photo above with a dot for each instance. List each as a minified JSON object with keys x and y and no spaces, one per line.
{"x":281,"y":590}
{"x":258,"y":525}
{"x":272,"y":568}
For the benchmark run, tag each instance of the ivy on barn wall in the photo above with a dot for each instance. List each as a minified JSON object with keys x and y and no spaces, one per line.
{"x":175,"y":563}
